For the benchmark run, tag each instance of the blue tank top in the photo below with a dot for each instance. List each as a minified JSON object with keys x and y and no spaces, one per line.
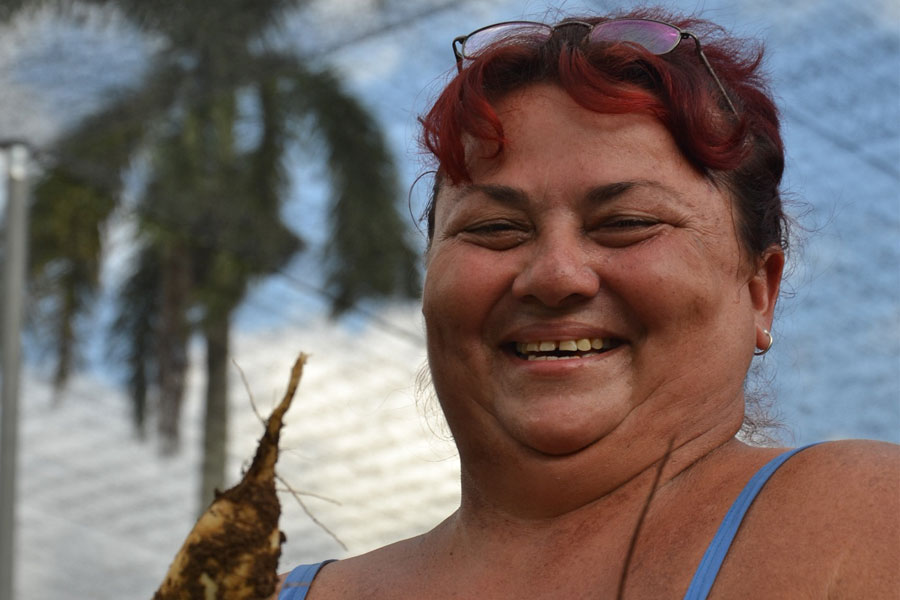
{"x":298,"y":581}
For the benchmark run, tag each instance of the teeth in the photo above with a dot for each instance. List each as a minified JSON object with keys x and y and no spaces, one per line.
{"x":579,"y":345}
{"x":552,"y":357}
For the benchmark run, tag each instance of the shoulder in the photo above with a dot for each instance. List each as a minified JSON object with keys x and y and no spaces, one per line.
{"x":295,"y":584}
{"x":826,"y":525}
{"x":849,"y":481}
{"x":371,"y":575}
{"x":858,"y":472}
{"x":849,"y":492}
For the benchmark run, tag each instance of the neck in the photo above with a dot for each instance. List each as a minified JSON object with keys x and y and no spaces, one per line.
{"x":525,"y":486}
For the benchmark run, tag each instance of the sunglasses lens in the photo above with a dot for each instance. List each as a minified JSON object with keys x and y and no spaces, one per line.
{"x":657,"y":38}
{"x":506,"y":34}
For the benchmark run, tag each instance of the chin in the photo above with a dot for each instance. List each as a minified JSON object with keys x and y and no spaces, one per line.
{"x":559,"y":441}
{"x":560,"y":425}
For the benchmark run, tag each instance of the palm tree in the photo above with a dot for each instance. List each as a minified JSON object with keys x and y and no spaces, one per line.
{"x":208,"y":216}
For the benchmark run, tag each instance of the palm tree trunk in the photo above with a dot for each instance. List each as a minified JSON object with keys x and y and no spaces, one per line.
{"x":215,"y":431}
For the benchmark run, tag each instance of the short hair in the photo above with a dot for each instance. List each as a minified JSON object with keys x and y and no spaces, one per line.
{"x":743,"y":152}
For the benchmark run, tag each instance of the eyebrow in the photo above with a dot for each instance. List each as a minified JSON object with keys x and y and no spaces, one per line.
{"x":515,"y":197}
{"x":503,"y":194}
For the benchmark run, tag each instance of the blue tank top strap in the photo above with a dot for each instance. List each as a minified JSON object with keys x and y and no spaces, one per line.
{"x":297,"y":583}
{"x":712,"y":560}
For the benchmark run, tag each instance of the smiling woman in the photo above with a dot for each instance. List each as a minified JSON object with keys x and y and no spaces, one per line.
{"x":603,"y":231}
{"x":605,"y":254}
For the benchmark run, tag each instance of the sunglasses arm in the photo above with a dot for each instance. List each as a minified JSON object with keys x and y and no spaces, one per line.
{"x":709,"y":68}
{"x":457,"y":52}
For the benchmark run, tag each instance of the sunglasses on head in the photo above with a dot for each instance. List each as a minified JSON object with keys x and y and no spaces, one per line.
{"x":654,"y":36}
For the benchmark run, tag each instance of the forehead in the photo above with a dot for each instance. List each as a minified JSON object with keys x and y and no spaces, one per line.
{"x":552,"y":145}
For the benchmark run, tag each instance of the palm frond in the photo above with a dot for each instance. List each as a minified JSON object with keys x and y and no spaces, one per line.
{"x":99,"y":150}
{"x":134,"y":333}
{"x":173,"y":332}
{"x":368,"y":253}
{"x":73,"y":200}
{"x":66,"y":232}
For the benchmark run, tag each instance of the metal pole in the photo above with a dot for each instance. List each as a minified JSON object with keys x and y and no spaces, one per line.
{"x":13,"y":298}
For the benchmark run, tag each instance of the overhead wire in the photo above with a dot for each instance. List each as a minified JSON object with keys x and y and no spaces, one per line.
{"x":47,"y":157}
{"x":393,"y":329}
{"x":841,"y":143}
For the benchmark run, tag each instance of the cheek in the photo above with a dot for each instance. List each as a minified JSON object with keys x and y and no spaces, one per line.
{"x":455,"y":298}
{"x":463,"y":281}
{"x":452,"y":303}
{"x":441,"y":284}
{"x":672,"y":289}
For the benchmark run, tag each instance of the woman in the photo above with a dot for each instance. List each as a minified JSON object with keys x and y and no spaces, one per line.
{"x":606,"y":245}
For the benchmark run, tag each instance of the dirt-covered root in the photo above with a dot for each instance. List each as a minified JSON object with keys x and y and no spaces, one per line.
{"x":232,"y":552}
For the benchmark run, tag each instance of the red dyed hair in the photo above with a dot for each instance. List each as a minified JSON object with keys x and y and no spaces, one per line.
{"x":743,"y":152}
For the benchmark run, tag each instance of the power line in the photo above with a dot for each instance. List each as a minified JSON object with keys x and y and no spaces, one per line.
{"x":384,"y":324}
{"x":391,"y":26}
{"x":407,"y":21}
{"x":845,"y":144}
{"x":163,"y":221}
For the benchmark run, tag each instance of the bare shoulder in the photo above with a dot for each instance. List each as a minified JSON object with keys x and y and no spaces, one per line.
{"x":851,"y":480}
{"x":369,"y":575}
{"x":864,"y":473}
{"x":852,"y":490}
{"x":328,"y":582}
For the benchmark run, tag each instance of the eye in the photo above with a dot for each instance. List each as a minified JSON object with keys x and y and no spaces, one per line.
{"x":629,"y":223}
{"x":495,"y":235}
{"x":491,"y":228}
{"x":624,"y":230}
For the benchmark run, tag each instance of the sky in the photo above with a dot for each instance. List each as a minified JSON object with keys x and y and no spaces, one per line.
{"x":835,"y":72}
{"x":835,"y":69}
{"x":834,"y":371}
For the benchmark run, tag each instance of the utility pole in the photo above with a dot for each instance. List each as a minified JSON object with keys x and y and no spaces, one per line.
{"x":12,"y":304}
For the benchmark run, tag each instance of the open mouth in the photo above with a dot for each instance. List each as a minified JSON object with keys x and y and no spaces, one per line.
{"x":564,"y":349}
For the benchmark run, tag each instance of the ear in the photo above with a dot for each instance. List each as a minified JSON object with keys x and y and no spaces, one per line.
{"x":764,"y":286}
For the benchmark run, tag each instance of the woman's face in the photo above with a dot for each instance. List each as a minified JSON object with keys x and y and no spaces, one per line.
{"x":587,"y":279}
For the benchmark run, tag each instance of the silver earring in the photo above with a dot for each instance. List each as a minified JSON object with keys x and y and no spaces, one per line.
{"x":768,"y":346}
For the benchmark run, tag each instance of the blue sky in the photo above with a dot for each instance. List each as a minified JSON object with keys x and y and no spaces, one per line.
{"x":835,"y":66}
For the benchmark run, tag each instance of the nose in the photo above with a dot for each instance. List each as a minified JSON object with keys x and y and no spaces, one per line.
{"x":558,"y":272}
